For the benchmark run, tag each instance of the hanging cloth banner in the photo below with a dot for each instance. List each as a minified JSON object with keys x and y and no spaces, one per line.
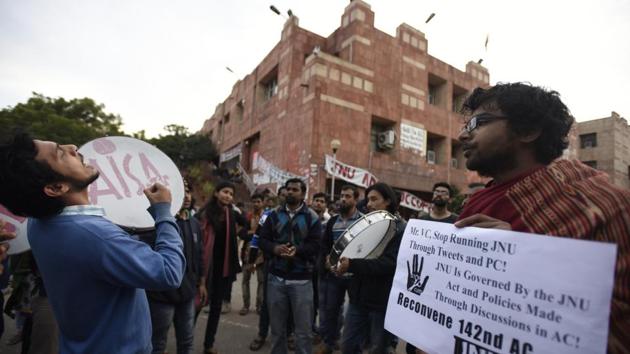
{"x":410,"y":201}
{"x":349,"y":173}
{"x":265,"y":172}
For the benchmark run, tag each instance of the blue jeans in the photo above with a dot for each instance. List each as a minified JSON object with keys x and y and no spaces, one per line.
{"x":332,"y":293}
{"x":182,"y":315}
{"x":296,"y":295}
{"x":363,"y":324}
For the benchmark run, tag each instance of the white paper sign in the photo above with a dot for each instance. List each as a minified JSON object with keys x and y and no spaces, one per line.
{"x":18,"y":225}
{"x":412,"y":137}
{"x":127,"y":166}
{"x":478,"y":290}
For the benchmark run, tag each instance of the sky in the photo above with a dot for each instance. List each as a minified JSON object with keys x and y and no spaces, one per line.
{"x":159,"y":62}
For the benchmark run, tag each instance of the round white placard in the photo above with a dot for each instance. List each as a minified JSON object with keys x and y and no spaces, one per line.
{"x":127,"y":166}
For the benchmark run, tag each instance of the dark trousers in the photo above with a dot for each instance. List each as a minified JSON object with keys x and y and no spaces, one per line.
{"x":332,"y":293}
{"x":363,"y":325}
{"x":263,"y":320}
{"x":315,"y":301}
{"x":41,"y":329}
{"x":182,"y":316}
{"x":216,"y":292}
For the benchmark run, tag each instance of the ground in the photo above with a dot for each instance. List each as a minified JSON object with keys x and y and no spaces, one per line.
{"x":234,"y":334}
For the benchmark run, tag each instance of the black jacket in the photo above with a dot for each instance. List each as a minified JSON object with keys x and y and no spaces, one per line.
{"x":303,"y":231}
{"x":372,"y":278}
{"x":190,"y":231}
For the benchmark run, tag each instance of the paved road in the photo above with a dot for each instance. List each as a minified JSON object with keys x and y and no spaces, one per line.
{"x":234,"y":335}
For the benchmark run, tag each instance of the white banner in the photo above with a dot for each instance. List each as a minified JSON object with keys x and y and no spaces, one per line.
{"x":349,"y":173}
{"x":410,"y":201}
{"x":265,"y":172}
{"x":478,"y":290}
{"x":413,"y":136}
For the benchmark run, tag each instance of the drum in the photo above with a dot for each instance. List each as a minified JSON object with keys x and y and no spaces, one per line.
{"x":127,"y":166}
{"x":366,"y":238}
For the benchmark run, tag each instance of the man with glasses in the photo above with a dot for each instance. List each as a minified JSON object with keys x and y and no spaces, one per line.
{"x":439,"y":210}
{"x":516,"y":135}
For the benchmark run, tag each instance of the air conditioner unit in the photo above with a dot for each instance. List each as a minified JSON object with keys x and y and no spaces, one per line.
{"x":431,"y":157}
{"x":454,"y":163}
{"x":386,"y":140}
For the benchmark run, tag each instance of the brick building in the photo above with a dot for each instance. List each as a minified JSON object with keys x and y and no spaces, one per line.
{"x":391,"y":104}
{"x":605,"y":144}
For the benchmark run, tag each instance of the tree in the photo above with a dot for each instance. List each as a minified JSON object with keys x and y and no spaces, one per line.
{"x":76,"y":121}
{"x":185,"y":149}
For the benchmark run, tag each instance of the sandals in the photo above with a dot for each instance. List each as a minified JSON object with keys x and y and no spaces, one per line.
{"x":257,"y":343}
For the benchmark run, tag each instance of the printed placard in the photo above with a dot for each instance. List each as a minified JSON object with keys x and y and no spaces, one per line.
{"x":18,"y":225}
{"x":489,"y":291}
{"x":127,"y":166}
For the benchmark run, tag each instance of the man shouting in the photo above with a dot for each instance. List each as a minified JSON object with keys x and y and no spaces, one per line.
{"x":93,"y":271}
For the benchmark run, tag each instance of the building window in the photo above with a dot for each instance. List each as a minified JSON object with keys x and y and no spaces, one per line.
{"x":588,"y":140}
{"x":459,"y":96}
{"x":239,"y":111}
{"x":592,"y":164}
{"x":437,"y":91}
{"x":271,"y":88}
{"x":226,"y":119}
{"x":436,"y":149}
{"x":268,"y":86}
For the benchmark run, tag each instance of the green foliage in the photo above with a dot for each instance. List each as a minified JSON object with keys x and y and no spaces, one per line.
{"x":75,"y":121}
{"x":183,"y":148}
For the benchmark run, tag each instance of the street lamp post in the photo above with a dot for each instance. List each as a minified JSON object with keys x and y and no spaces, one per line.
{"x":335,"y":144}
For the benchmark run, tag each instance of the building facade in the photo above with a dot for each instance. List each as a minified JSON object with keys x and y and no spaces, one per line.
{"x":393,"y":107}
{"x":604,"y":144}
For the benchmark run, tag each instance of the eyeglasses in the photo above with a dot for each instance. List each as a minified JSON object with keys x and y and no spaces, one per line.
{"x":476,"y":121}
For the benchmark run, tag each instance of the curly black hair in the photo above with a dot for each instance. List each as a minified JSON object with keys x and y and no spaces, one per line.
{"x":528,"y":109}
{"x":22,"y":180}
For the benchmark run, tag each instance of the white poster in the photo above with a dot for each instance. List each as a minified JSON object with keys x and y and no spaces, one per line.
{"x":17,"y":225}
{"x":126,"y":167}
{"x":413,"y":136}
{"x":354,"y":175}
{"x":478,"y":290}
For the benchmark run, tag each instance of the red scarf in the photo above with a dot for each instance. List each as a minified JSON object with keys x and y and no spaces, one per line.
{"x":494,"y":201}
{"x":208,"y":241}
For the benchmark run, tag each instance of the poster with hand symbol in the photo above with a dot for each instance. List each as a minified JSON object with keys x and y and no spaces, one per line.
{"x":475,"y":290}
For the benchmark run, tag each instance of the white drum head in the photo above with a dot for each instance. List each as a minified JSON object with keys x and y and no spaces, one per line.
{"x":127,"y":166}
{"x":364,"y":243}
{"x":18,"y":225}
